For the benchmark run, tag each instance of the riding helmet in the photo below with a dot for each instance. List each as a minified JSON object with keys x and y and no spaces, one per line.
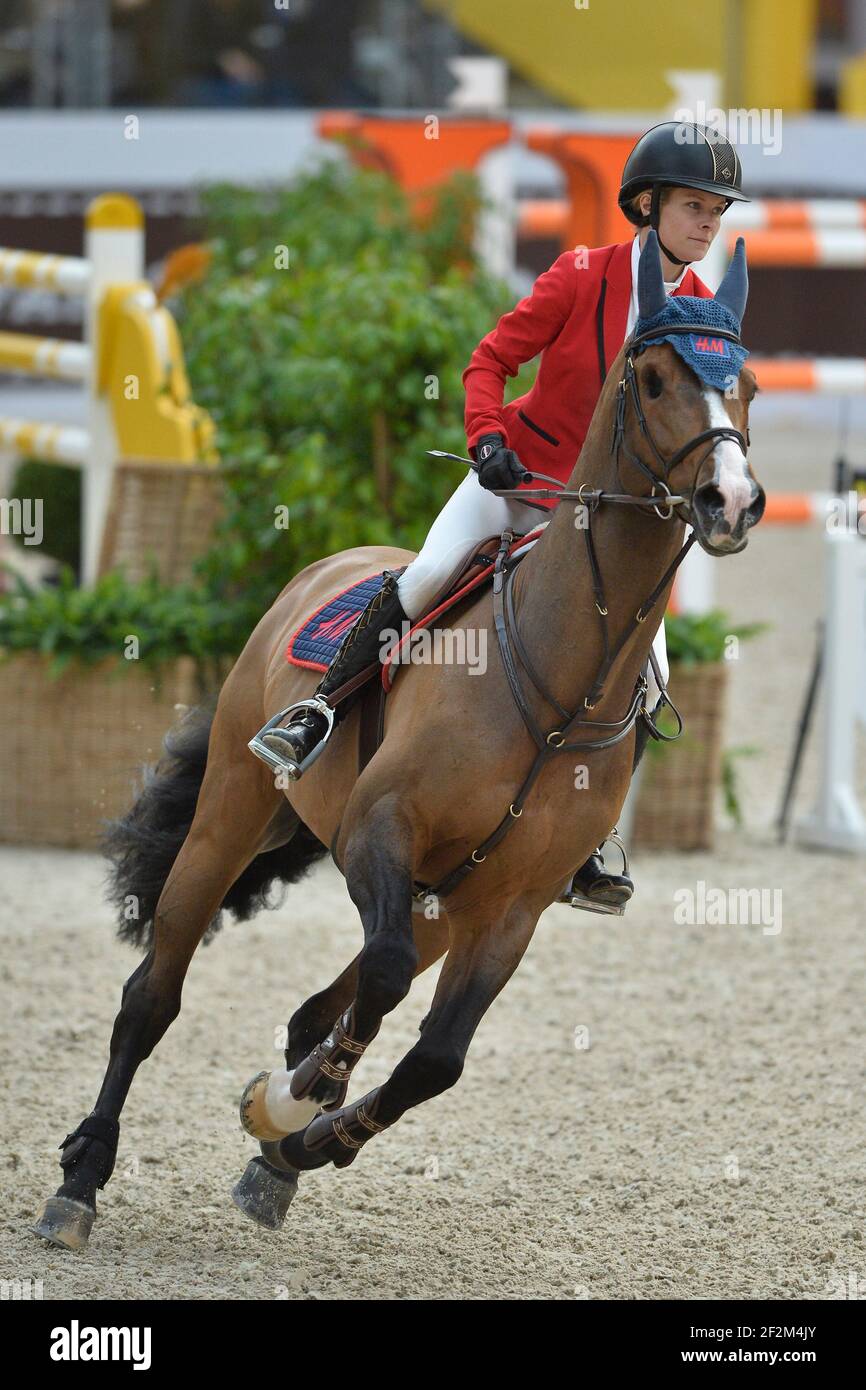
{"x":680,"y":154}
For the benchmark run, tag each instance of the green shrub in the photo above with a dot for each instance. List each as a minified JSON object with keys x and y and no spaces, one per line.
{"x":694,"y":638}
{"x":320,"y":378}
{"x":88,"y":625}
{"x":329,"y":379}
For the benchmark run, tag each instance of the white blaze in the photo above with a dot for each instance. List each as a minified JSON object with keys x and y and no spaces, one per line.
{"x":732,"y":479}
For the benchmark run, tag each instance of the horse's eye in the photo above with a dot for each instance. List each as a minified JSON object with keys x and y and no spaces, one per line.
{"x":654,"y":385}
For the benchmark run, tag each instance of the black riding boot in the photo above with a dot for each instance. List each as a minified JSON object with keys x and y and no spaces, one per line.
{"x":360,"y":647}
{"x":593,"y":886}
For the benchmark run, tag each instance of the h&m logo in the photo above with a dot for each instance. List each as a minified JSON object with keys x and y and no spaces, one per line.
{"x":702,"y":343}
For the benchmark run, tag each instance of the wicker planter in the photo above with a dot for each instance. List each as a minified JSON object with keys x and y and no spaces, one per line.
{"x":73,"y":746}
{"x":676,"y":796}
{"x":162,"y":515}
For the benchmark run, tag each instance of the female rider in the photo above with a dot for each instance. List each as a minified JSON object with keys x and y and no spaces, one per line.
{"x":679,"y":179}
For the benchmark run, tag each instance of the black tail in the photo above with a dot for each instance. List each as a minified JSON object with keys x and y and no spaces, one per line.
{"x":143,"y":845}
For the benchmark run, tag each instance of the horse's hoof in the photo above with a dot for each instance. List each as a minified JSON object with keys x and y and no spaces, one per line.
{"x":264,"y":1194}
{"x":269,"y":1110}
{"x":65,"y":1222}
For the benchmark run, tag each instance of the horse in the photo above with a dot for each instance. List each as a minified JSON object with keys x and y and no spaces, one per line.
{"x":463,"y":754}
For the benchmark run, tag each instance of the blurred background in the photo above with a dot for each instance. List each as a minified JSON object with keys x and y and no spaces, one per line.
{"x":805,"y":55}
{"x":419,"y":164}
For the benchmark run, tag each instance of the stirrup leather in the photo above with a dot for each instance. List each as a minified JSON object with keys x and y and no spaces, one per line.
{"x":281,"y":764}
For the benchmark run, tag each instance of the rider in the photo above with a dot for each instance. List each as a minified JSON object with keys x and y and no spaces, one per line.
{"x":679,"y":178}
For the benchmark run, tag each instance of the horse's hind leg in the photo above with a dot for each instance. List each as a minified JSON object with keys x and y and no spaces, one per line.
{"x":235,"y":807}
{"x":480,"y":962}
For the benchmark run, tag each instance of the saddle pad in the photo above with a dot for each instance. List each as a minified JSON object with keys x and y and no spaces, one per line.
{"x":316,"y":642}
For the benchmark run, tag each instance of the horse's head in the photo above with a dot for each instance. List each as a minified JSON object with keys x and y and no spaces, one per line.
{"x":682,"y":407}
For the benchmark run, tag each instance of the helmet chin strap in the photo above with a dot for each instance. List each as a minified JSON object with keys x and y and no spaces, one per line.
{"x":654,"y":222}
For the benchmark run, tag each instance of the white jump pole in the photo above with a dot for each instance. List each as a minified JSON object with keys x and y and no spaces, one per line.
{"x":114,"y":249}
{"x":837,"y":820}
{"x":482,"y":91}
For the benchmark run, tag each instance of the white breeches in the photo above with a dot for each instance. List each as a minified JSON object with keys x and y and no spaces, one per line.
{"x":661,"y":656}
{"x":471,"y":513}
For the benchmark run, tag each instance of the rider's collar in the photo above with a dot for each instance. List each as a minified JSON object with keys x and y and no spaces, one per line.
{"x":705,"y":333}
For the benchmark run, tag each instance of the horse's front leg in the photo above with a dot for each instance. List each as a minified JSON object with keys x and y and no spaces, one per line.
{"x":378,"y":867}
{"x":318,"y":1064}
{"x":482,"y":958}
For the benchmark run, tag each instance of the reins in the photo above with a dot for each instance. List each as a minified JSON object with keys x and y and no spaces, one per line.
{"x":556,"y":740}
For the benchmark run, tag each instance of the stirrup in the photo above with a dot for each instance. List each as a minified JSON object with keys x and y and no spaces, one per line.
{"x":282,"y":764}
{"x":614,"y":838}
{"x":580,"y":900}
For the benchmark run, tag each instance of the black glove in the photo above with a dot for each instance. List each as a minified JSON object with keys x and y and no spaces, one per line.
{"x":498,"y":467}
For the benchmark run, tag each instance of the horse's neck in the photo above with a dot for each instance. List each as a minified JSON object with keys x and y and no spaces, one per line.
{"x":554,"y":599}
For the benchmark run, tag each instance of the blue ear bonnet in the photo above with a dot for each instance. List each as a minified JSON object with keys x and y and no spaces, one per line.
{"x":717,"y":361}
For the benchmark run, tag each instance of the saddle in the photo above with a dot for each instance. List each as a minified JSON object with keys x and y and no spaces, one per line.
{"x":316,"y":640}
{"x":475,"y":571}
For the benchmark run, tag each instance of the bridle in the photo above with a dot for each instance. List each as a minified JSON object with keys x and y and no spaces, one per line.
{"x":612,"y":731}
{"x":591,"y":498}
{"x":628,"y":385}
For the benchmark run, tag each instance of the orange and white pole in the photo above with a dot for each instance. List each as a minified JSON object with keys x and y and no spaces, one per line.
{"x":822,"y":376}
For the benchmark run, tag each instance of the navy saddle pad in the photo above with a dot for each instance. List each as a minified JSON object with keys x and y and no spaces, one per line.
{"x":316,"y":642}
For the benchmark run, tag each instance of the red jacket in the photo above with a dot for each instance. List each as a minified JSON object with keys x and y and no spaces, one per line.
{"x":576,"y":317}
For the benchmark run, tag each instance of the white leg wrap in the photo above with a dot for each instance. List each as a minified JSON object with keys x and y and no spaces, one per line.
{"x":269,"y":1111}
{"x":284,"y":1112}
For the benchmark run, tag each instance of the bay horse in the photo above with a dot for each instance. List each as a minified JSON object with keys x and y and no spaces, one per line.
{"x":212,"y":829}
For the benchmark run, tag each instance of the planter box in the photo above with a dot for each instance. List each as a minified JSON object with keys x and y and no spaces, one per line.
{"x":73,"y":747}
{"x":160,"y":514}
{"x":676,"y":795}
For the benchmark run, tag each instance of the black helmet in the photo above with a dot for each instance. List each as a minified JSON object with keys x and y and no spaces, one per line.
{"x":701,"y":158}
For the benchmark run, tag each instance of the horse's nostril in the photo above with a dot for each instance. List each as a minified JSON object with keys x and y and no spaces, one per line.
{"x":756,"y":508}
{"x":710,"y":500}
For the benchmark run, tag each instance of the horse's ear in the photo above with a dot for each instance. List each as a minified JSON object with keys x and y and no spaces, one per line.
{"x":651,"y":297}
{"x":733,"y":292}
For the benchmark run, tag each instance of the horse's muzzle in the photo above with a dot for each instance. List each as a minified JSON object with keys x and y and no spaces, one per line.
{"x":722,"y":522}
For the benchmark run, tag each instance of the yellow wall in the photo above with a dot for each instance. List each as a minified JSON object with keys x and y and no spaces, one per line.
{"x":852,"y":87}
{"x":778,"y":37}
{"x":613,"y":55}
